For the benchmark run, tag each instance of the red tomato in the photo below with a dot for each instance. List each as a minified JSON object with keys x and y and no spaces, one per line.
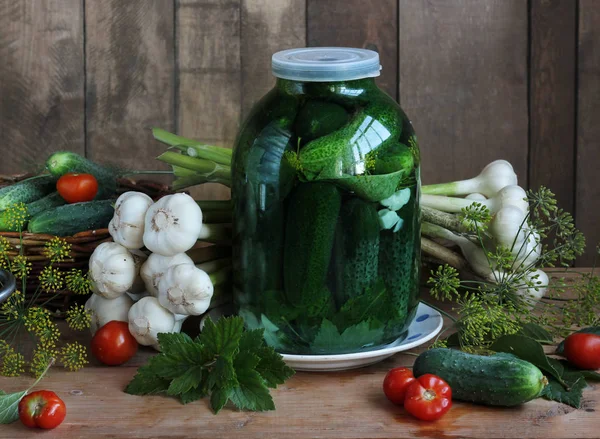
{"x":395,"y":383}
{"x":113,"y":344}
{"x":583,"y":350}
{"x":428,"y":398}
{"x":42,"y":409}
{"x":77,"y":188}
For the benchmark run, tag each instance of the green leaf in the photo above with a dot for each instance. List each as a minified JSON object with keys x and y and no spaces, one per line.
{"x":9,"y":406}
{"x":372,"y":187}
{"x":222,"y":338}
{"x":252,"y":339}
{"x":184,"y":352}
{"x":219,"y":398}
{"x":527,"y":349}
{"x":571,"y":395}
{"x":587,"y":374}
{"x":222,"y":375}
{"x":536,"y":332}
{"x":272,"y":368}
{"x":145,"y":382}
{"x":328,"y":339}
{"x":192,"y":395}
{"x":168,"y":366}
{"x":251,"y":392}
{"x":170,"y":342}
{"x":376,"y":302}
{"x":591,"y":330}
{"x":190,"y":379}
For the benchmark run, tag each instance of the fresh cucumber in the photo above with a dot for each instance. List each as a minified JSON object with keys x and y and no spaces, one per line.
{"x":310,"y":232}
{"x":73,"y":218}
{"x":63,"y":162}
{"x":501,"y":379}
{"x":33,"y":208}
{"x":358,"y":235}
{"x":27,"y":191}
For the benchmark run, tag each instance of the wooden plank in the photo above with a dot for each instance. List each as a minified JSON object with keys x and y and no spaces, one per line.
{"x":552,"y":98}
{"x":463,"y":83}
{"x":209,"y":93}
{"x":347,"y":404}
{"x":358,"y":23}
{"x":130,"y":79}
{"x":267,"y":27}
{"x":41,"y":81}
{"x":588,"y":129}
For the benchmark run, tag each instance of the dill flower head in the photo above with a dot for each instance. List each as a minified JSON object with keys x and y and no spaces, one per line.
{"x":73,"y":356}
{"x":39,"y":322}
{"x":42,"y":357}
{"x":78,"y":283}
{"x":13,"y":364}
{"x":444,"y":282}
{"x":293,"y":160}
{"x":57,"y":250}
{"x":5,"y":248}
{"x":51,"y":279}
{"x":16,"y":216}
{"x":4,"y":347}
{"x":476,"y":217}
{"x":20,"y":266}
{"x":79,"y":318}
{"x":13,"y":306}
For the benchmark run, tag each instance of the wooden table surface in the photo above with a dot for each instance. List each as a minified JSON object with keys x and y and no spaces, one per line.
{"x":321,"y":405}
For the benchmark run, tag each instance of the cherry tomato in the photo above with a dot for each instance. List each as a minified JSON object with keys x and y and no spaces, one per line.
{"x":113,"y":344}
{"x":395,"y":383}
{"x":42,"y":409}
{"x":77,"y":188}
{"x":583,"y":350}
{"x":428,"y":398}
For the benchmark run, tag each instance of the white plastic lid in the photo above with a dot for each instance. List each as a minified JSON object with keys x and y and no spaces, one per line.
{"x":325,"y":64}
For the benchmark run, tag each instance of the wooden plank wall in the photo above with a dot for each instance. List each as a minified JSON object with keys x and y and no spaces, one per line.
{"x":481,"y":79}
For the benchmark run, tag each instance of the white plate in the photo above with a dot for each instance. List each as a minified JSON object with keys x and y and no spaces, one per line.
{"x":426,"y":325}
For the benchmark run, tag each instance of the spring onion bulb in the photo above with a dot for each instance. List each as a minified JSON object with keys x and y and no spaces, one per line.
{"x":494,"y":177}
{"x":510,"y":195}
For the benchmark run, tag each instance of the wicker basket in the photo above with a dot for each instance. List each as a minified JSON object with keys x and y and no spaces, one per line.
{"x":82,"y":244}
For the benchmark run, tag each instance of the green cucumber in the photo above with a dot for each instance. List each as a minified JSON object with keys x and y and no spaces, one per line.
{"x":340,"y":153}
{"x":311,"y":221}
{"x":400,"y":259}
{"x":63,"y":162}
{"x":73,"y":218}
{"x":27,"y":191}
{"x":393,"y":158}
{"x":317,"y":118}
{"x":501,"y":379}
{"x":33,"y":208}
{"x":358,"y":235}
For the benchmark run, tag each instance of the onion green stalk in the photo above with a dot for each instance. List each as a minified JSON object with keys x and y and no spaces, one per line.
{"x":193,"y":148}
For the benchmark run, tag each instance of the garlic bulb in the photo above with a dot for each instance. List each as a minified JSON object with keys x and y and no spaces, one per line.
{"x":147,"y":318}
{"x":105,"y":310}
{"x":156,"y":266}
{"x":112,"y":270}
{"x":127,"y":224}
{"x":185,"y":289}
{"x":172,"y":225}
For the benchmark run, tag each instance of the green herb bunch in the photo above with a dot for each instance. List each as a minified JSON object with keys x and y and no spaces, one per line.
{"x":506,"y":300}
{"x":224,"y":363}
{"x":27,"y":310}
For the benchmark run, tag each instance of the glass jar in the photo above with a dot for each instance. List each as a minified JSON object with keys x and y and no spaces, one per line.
{"x":326,"y":231}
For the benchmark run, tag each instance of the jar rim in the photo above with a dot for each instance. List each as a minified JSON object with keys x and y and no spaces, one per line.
{"x":325,"y":64}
